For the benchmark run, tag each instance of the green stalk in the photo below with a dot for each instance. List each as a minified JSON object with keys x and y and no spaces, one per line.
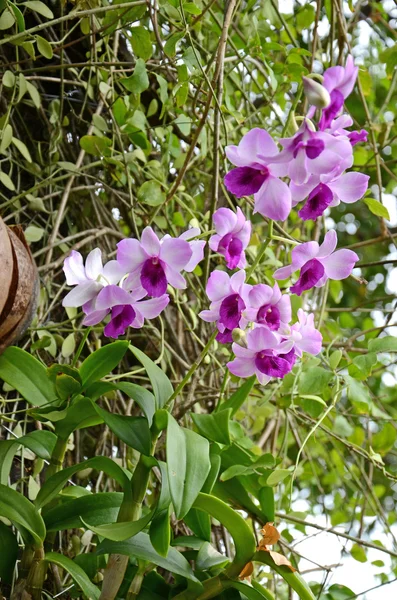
{"x":37,"y":573}
{"x":130,"y":510}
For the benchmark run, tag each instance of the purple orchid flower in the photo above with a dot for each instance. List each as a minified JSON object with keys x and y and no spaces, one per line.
{"x":324,"y":191}
{"x":126,"y":309}
{"x":229,"y":299}
{"x":264,"y":356}
{"x":304,"y":336}
{"x":338,"y":126}
{"x":339,"y":82}
{"x":311,"y":152}
{"x":90,"y":278}
{"x":256,"y":174}
{"x":153,"y":264}
{"x":233,"y":232}
{"x":318,"y":263}
{"x":268,"y":307}
{"x":196,"y":246}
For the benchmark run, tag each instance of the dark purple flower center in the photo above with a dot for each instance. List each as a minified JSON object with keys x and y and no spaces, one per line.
{"x":269,"y":315}
{"x":121,"y":317}
{"x":332,"y":110}
{"x":231,"y":248}
{"x":153,"y":277}
{"x":245,"y":181}
{"x":358,"y":136}
{"x":312,"y":146}
{"x":310,"y":274}
{"x":224,"y":337}
{"x":274,"y":365}
{"x":230,"y":311}
{"x":317,"y":202}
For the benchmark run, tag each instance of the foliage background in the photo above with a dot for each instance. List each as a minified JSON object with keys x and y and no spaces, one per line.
{"x":113,"y":120}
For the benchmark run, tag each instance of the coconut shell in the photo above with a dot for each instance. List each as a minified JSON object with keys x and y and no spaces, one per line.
{"x":20,"y":285}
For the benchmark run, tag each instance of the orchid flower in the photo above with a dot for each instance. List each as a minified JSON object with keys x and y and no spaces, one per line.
{"x":264,"y":356}
{"x":90,"y":278}
{"x":339,"y":82}
{"x":153,"y":264}
{"x":338,"y":126}
{"x":311,"y":152}
{"x":233,"y":232}
{"x":229,"y":298}
{"x":269,"y":307}
{"x":318,"y":263}
{"x":196,"y":246}
{"x":304,"y":336}
{"x":325,"y":191}
{"x":126,"y":309}
{"x":256,"y":174}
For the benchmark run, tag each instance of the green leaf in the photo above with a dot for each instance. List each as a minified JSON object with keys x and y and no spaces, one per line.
{"x":188,"y":465}
{"x":235,"y":471}
{"x":342,"y":426}
{"x":101,"y":362}
{"x":358,"y":553}
{"x":140,"y":547}
{"x":22,"y":514}
{"x":7,"y":182}
{"x":170,"y":45}
{"x":95,"y":508}
{"x":34,"y":94}
{"x":79,"y":415}
{"x":292,"y":579}
{"x":41,"y":443}
{"x":6,"y":137}
{"x":8,"y":80}
{"x":361,"y":366}
{"x":141,"y":396}
{"x":237,"y":399}
{"x":44,"y":47}
{"x":251,"y":592}
{"x":377,"y":208}
{"x":151,"y":193}
{"x":133,"y":431}
{"x":119,"y":532}
{"x":56,"y":482}
{"x":8,"y":553}
{"x":33,"y":233}
{"x":384,"y":440}
{"x":277,"y":476}
{"x":191,"y":8}
{"x":27,"y":375}
{"x":208,"y":557}
{"x":138,"y":82}
{"x":215,"y":426}
{"x":18,"y":16}
{"x":40,"y":8}
{"x":7,"y":19}
{"x":237,"y":526}
{"x":383,"y":344}
{"x":162,"y":387}
{"x":22,"y":148}
{"x":141,"y":42}
{"x":97,"y":146}
{"x":314,"y":380}
{"x":78,"y":575}
{"x":160,"y":531}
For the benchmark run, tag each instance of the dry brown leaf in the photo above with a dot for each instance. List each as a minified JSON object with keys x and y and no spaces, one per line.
{"x":270,"y":535}
{"x":247,"y":571}
{"x":280,"y":560}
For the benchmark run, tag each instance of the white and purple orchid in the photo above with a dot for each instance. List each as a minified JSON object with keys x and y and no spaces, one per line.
{"x":339,"y":82}
{"x":89,"y":279}
{"x":257,"y":174}
{"x":233,"y":232}
{"x":318,"y":263}
{"x":153,"y":263}
{"x":229,"y":299}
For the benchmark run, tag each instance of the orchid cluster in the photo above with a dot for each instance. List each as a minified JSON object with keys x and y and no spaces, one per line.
{"x":133,"y":287}
{"x":255,"y":318}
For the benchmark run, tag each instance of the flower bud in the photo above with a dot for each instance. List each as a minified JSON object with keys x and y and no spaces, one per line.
{"x":239,"y":337}
{"x":316,"y":93}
